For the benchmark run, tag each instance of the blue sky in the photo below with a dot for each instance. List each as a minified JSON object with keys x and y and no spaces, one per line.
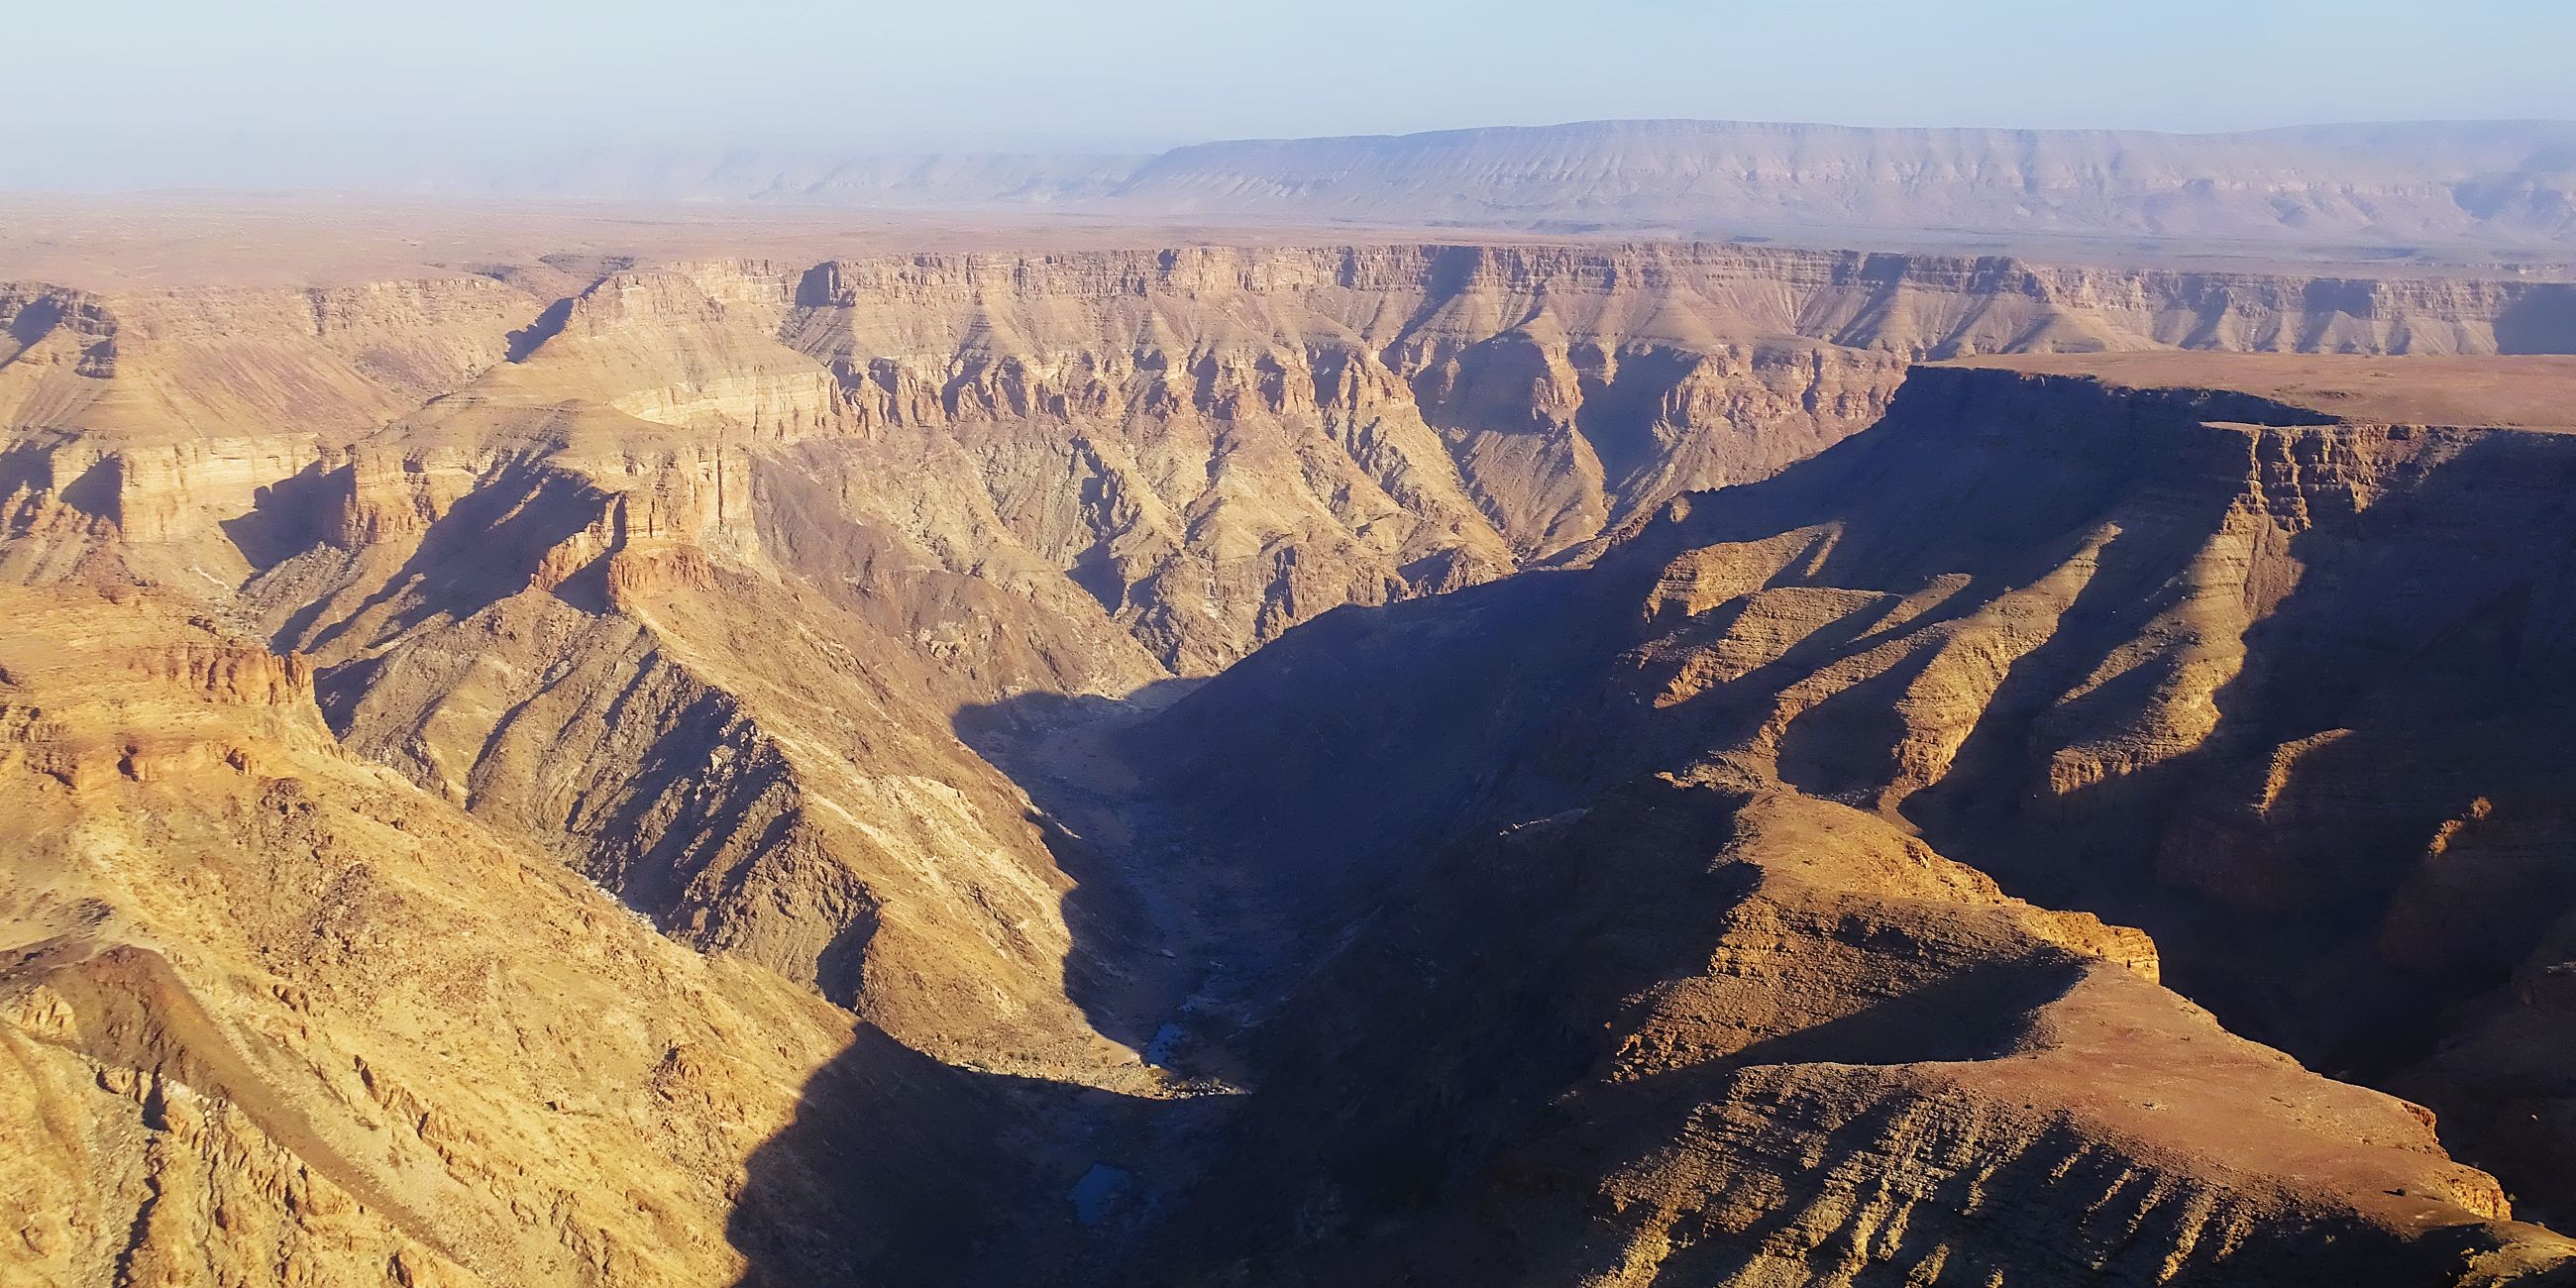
{"x":115,"y":93}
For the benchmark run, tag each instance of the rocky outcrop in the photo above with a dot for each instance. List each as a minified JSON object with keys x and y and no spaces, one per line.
{"x":1298,"y":429}
{"x":696,"y":583}
{"x":2258,"y":671}
{"x":765,"y":775}
{"x":1027,"y":476}
{"x":273,"y":1015}
{"x":1209,"y":444}
{"x":1752,"y":1039}
{"x":163,"y":419}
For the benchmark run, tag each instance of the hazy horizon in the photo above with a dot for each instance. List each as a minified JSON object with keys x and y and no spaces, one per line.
{"x":300,"y":94}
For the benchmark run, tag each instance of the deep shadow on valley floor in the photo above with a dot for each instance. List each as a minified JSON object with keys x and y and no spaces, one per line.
{"x":1373,"y":899}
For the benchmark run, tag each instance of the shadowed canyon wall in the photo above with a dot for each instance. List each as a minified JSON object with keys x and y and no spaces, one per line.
{"x":698,"y":580}
{"x":2285,"y":688}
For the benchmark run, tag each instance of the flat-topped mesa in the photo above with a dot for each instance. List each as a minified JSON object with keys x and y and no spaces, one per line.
{"x":153,"y":422}
{"x":223,"y":362}
{"x":629,"y":409}
{"x":2493,"y":392}
{"x":657,"y":346}
{"x":551,"y":516}
{"x":2496,"y":182}
{"x":2462,"y":188}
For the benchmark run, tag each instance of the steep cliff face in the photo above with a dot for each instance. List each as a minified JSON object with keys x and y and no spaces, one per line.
{"x":2253,"y":667}
{"x":1210,"y":444}
{"x":695,"y":579}
{"x":1220,"y":443}
{"x":158,"y":419}
{"x":567,"y":618}
{"x":617,"y":524}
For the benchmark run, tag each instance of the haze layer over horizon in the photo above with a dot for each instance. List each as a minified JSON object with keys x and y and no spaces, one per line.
{"x":295,"y":94}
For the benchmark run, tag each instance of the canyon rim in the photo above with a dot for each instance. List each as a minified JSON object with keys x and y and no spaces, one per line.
{"x":1644,"y":702}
